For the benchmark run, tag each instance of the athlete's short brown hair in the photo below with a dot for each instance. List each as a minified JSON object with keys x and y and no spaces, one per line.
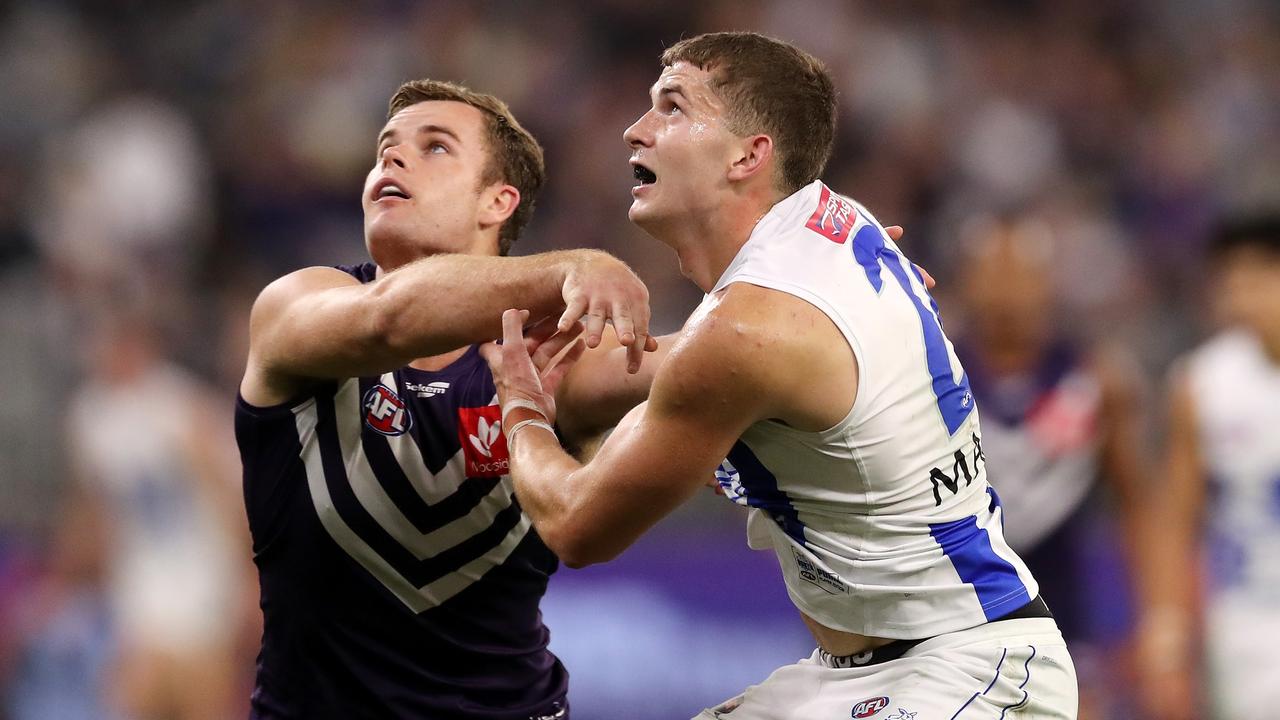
{"x":515,"y":157}
{"x":773,"y":88}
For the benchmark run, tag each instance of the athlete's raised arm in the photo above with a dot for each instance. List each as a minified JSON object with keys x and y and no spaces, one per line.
{"x":321,"y":323}
{"x":735,"y":364}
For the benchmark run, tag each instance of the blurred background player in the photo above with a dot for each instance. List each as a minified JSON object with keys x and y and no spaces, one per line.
{"x":148,"y":445}
{"x":1060,"y":423}
{"x":399,"y":576}
{"x":1212,"y":609}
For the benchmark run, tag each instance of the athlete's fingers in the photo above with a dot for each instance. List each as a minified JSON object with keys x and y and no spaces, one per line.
{"x":551,"y":380}
{"x":643,"y":341}
{"x":513,"y":333}
{"x":894,"y":232}
{"x":547,"y":351}
{"x":635,"y":355}
{"x":929,"y":282}
{"x":622,"y":325}
{"x":514,"y":353}
{"x":537,"y":333}
{"x":595,"y":323}
{"x":574,"y":310}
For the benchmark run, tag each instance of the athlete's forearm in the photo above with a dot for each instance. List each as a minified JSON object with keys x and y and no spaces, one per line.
{"x":445,"y":302}
{"x":1170,"y":567}
{"x":544,"y":477}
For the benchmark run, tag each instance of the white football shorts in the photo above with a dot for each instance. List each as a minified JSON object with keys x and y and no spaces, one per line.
{"x":1012,"y":669}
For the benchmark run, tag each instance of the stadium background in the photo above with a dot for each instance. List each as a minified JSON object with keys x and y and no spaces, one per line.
{"x":159,"y":162}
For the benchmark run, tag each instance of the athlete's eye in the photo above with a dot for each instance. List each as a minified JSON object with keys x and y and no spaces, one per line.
{"x":437,"y":148}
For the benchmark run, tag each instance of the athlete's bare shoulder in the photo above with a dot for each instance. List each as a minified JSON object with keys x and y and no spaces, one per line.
{"x":278,"y":327}
{"x":749,"y":338}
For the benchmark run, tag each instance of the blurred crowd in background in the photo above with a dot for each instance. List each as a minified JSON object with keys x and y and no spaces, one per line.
{"x":160,"y":162}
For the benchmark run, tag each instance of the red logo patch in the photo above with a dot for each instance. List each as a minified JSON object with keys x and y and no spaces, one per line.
{"x":867,"y":708}
{"x":834,"y":217}
{"x":483,"y":444}
{"x":385,"y":412}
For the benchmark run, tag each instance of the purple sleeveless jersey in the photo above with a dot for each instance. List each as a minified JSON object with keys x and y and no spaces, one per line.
{"x":399,"y":577}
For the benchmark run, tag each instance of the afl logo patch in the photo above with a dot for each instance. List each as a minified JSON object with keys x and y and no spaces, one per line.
{"x":385,"y":412}
{"x":867,"y":708}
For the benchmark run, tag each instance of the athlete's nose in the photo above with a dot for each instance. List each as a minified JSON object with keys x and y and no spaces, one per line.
{"x":391,"y":155}
{"x":638,"y":134}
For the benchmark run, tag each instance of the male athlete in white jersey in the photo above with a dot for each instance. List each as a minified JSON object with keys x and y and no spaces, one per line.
{"x":817,"y":385}
{"x":1220,"y":503}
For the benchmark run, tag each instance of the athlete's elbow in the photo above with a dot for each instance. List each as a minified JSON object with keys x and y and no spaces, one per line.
{"x":577,"y":550}
{"x":579,"y":560}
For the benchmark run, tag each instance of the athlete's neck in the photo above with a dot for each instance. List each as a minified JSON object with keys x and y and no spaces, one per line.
{"x":482,"y":243}
{"x":707,"y":244}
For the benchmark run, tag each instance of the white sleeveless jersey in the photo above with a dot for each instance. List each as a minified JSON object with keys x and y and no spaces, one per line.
{"x":1236,"y":393}
{"x":884,"y":524}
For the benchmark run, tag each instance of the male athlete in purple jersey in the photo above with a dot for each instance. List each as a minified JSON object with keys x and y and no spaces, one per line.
{"x":400,"y":578}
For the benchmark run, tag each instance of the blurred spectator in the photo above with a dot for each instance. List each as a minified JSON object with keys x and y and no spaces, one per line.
{"x":62,"y":657}
{"x":1212,"y":610}
{"x":1061,"y":434}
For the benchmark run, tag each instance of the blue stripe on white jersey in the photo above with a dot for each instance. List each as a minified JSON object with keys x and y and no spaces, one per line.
{"x":882,"y":525}
{"x":747,"y":481}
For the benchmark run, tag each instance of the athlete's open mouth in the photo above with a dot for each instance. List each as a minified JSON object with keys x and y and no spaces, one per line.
{"x":388,"y":188}
{"x":643,"y":174}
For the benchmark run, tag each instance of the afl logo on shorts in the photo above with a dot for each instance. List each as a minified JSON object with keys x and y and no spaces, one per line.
{"x":385,"y":412}
{"x":867,"y":708}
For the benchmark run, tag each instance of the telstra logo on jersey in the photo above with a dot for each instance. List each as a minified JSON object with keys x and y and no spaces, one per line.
{"x":385,"y":412}
{"x":867,"y":708}
{"x":483,"y":444}
{"x":834,"y":217}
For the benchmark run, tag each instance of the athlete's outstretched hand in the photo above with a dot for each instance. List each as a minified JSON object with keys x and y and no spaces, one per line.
{"x":529,"y":365}
{"x":895,"y":234}
{"x":604,"y":289}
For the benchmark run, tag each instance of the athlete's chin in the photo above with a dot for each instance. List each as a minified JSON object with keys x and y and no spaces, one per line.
{"x":389,"y":244}
{"x":643,"y":214}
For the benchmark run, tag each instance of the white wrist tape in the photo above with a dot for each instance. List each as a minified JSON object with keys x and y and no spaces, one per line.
{"x":514,"y":403}
{"x":511,"y":431}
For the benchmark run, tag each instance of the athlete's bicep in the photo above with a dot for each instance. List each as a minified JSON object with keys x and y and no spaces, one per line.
{"x":666,"y":448}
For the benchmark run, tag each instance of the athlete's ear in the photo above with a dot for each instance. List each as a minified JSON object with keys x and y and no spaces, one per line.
{"x":754,"y":155}
{"x":497,"y":203}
